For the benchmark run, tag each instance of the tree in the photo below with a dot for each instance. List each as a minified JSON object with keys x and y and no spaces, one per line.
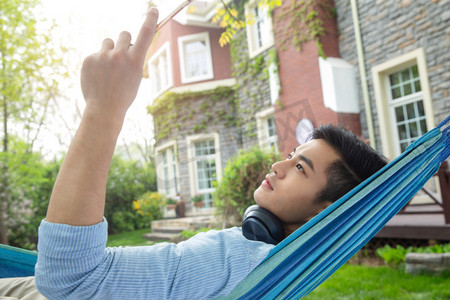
{"x":29,"y":75}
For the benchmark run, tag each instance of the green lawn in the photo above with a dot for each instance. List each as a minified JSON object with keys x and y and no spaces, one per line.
{"x":350,"y":281}
{"x":132,"y":238}
{"x":363,"y":282}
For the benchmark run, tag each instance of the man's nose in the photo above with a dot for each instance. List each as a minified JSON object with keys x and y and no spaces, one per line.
{"x":279,"y":168}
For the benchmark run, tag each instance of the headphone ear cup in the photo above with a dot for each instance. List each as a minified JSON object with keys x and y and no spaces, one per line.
{"x":259,"y":224}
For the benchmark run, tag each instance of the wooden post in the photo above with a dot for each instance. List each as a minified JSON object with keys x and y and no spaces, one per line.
{"x":444,"y":182}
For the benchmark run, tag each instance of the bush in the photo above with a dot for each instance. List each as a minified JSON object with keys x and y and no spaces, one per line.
{"x":127,"y":181}
{"x":396,"y":256}
{"x":241,"y":177}
{"x":150,"y":205}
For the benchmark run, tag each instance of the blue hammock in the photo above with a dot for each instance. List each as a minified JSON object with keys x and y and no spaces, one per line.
{"x":303,"y":260}
{"x":16,"y":262}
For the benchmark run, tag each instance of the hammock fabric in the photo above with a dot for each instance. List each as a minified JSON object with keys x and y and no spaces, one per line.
{"x":302,"y":261}
{"x":16,"y":262}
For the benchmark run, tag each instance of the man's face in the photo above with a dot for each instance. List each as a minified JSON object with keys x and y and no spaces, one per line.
{"x":289,"y":191}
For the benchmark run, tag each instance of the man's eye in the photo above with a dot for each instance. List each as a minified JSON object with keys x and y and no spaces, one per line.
{"x":289,"y":156}
{"x":299,"y":166}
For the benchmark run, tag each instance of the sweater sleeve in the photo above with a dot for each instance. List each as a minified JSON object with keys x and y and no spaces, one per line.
{"x":73,"y":263}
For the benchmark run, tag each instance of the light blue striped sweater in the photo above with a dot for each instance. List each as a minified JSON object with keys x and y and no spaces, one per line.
{"x":73,"y":263}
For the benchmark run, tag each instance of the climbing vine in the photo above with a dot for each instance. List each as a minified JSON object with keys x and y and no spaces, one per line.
{"x":173,"y":111}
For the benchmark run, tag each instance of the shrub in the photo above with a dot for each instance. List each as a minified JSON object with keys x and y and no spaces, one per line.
{"x":396,"y":256}
{"x":150,"y":205}
{"x":242,"y":175}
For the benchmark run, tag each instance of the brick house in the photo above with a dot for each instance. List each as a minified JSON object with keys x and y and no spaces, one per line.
{"x":387,"y":83}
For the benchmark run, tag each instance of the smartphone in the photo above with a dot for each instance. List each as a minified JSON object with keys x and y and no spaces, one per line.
{"x":169,"y":10}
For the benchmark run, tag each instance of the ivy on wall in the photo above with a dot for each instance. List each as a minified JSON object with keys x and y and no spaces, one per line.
{"x":172,"y":111}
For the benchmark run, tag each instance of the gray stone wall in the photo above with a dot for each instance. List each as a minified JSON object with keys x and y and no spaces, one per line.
{"x":391,"y":28}
{"x":253,"y":90}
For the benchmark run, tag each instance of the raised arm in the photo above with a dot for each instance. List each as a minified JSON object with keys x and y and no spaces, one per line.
{"x":109,"y":80}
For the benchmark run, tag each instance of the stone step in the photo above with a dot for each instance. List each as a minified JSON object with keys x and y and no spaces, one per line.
{"x":169,"y":229}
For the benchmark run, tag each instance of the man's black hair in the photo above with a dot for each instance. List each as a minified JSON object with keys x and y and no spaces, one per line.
{"x":358,"y":162}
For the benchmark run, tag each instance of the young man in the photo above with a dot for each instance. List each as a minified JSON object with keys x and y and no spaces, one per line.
{"x":73,"y":262}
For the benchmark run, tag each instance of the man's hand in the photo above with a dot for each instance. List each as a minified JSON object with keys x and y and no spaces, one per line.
{"x":110,"y":80}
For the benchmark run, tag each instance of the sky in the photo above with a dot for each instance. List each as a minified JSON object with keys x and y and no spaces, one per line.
{"x":82,"y":25}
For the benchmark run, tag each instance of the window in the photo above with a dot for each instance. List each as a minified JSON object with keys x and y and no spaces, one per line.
{"x":167,"y":169}
{"x":160,"y":70}
{"x":195,"y":57}
{"x":266,"y":129}
{"x":259,"y":28}
{"x":407,"y":105}
{"x":205,"y":166}
{"x":403,"y":101}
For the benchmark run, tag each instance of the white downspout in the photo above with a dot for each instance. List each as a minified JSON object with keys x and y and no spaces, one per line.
{"x":362,"y":71}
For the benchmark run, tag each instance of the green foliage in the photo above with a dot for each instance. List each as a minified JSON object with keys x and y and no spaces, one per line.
{"x":30,"y":181}
{"x":150,"y":206}
{"x":127,"y":181}
{"x":196,"y":198}
{"x":241,"y":177}
{"x":30,"y":72}
{"x":396,"y":256}
{"x":172,"y":108}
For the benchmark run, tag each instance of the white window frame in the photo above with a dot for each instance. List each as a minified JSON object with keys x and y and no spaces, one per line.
{"x":264,"y":140}
{"x":252,"y":31}
{"x":203,"y":36}
{"x":163,"y":50}
{"x":193,"y":180}
{"x":170,"y":148}
{"x":385,"y":111}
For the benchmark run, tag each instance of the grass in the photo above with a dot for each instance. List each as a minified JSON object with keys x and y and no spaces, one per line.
{"x":132,"y":238}
{"x":364,"y":283}
{"x":351,"y":281}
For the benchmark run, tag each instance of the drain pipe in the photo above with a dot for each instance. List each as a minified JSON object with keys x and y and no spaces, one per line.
{"x":362,"y":71}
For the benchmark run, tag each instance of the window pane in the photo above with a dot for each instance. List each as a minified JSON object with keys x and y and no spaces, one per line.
{"x":396,"y":93}
{"x":417,"y":86}
{"x":403,"y":146}
{"x":196,"y":58}
{"x":423,"y":127}
{"x":410,"y":111}
{"x":407,"y":90}
{"x":413,"y":130}
{"x":420,"y":108}
{"x":402,"y":132}
{"x":415,"y":71}
{"x":394,"y":79}
{"x":399,"y":114}
{"x":405,"y":75}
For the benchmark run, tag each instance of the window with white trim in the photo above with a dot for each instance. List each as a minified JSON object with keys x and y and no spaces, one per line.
{"x":266,"y":129}
{"x":259,"y":28}
{"x":195,"y":57}
{"x":403,"y":101}
{"x":160,"y":70}
{"x":205,"y":166}
{"x":167,"y":170}
{"x":406,"y":104}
